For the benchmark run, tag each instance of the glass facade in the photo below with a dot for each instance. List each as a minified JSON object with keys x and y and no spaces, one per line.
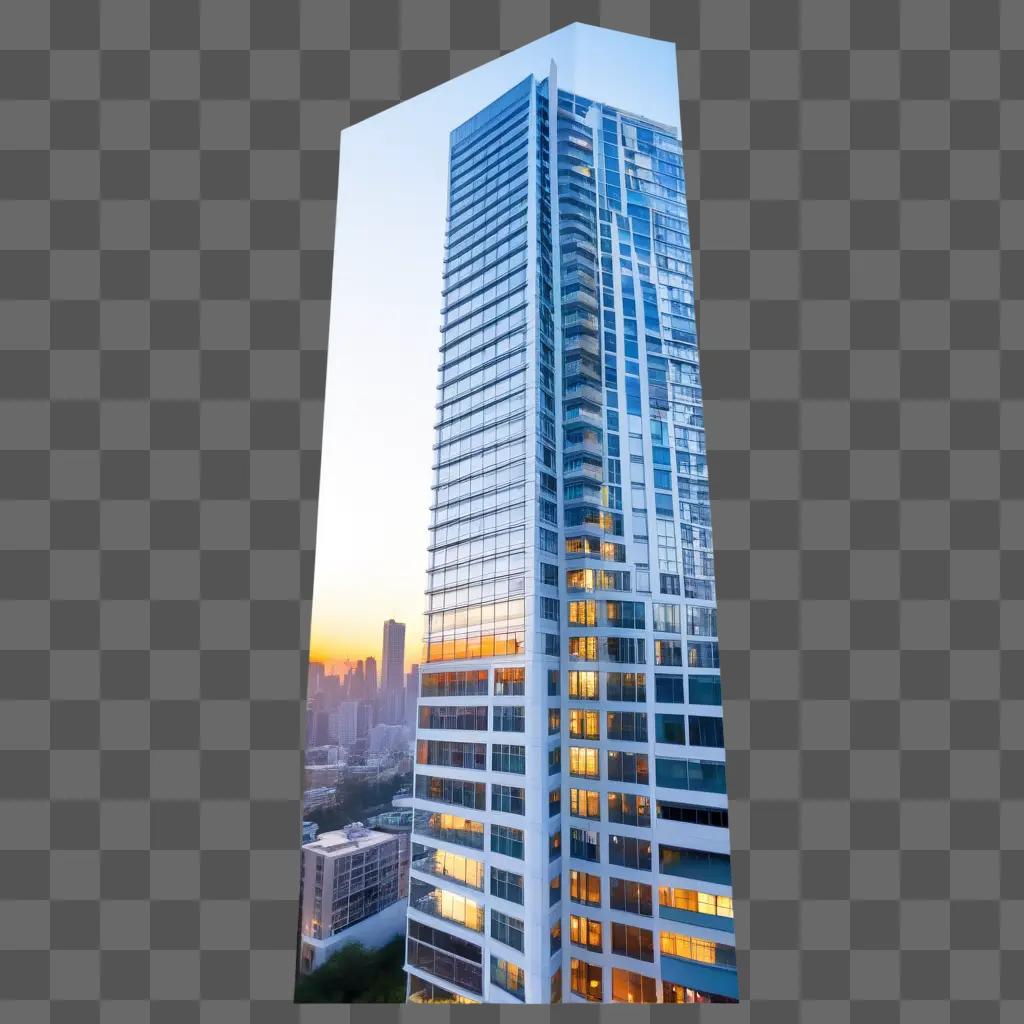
{"x":570,"y":590}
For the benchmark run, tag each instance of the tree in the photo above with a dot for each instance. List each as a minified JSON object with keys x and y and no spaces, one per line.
{"x":356,"y":974}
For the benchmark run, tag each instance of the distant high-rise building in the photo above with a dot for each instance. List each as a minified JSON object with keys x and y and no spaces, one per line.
{"x":315,"y":678}
{"x":571,"y":825}
{"x":371,"y":677}
{"x":364,"y":719}
{"x":412,"y":693}
{"x":392,"y":659}
{"x":348,"y":713}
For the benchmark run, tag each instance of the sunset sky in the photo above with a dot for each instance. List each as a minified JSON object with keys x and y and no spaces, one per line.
{"x":379,"y":414}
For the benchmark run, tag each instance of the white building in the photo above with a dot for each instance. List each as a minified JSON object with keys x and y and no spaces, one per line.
{"x":354,"y":886}
{"x":571,"y":826}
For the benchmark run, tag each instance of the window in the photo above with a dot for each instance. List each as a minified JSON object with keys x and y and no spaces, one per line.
{"x":453,"y":755}
{"x":445,"y":864}
{"x":583,"y":648}
{"x":695,"y":902}
{"x":555,"y":943}
{"x":585,"y":844}
{"x":433,"y":717}
{"x":702,"y":653}
{"x":554,"y":760}
{"x":582,"y":613}
{"x":629,"y":940}
{"x":507,"y":840}
{"x":693,"y":814}
{"x":554,"y":721}
{"x":453,"y":684}
{"x":556,"y":978}
{"x":447,"y":905}
{"x":706,"y":690}
{"x":507,"y":929}
{"x":630,"y":852}
{"x":631,"y":897}
{"x":585,"y":803}
{"x":555,"y":845}
{"x":508,"y":976}
{"x":508,"y":757}
{"x":706,"y":731}
{"x":452,"y":791}
{"x":670,"y":728}
{"x":668,"y":652}
{"x":584,"y":762}
{"x":584,"y":888}
{"x":701,"y":621}
{"x":627,"y":726}
{"x":437,"y":951}
{"x":667,"y":618}
{"x":509,"y":718}
{"x":629,"y":809}
{"x":509,"y":682}
{"x":506,"y":885}
{"x":699,"y":865}
{"x":630,"y":687}
{"x":669,"y":583}
{"x":585,"y":932}
{"x":625,"y":767}
{"x":554,"y":890}
{"x":549,"y":574}
{"x":450,"y":827}
{"x":549,"y":608}
{"x":625,"y":614}
{"x":626,"y":650}
{"x":583,"y":685}
{"x":672,"y":993}
{"x":554,"y":802}
{"x":508,"y":799}
{"x":701,"y":950}
{"x":584,"y":725}
{"x":554,"y":687}
{"x":670,"y":689}
{"x":702,"y":776}
{"x":552,"y":645}
{"x":586,"y":980}
{"x":628,"y":987}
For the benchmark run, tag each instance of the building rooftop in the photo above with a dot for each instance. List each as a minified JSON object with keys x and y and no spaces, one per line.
{"x":352,"y":837}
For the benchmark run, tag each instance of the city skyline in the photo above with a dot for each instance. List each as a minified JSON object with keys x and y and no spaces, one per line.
{"x":359,"y":585}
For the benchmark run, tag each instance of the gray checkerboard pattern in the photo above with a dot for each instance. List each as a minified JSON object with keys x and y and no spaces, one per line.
{"x":167,"y":184}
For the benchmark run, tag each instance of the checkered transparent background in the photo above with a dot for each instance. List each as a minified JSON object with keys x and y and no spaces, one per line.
{"x":167,"y":183}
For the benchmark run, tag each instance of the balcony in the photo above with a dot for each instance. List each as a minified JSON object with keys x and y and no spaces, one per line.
{"x":579,"y":278}
{"x":449,"y":907}
{"x":581,"y":321}
{"x":581,"y":414}
{"x":578,"y":372}
{"x":585,"y":390}
{"x":578,"y":246}
{"x":578,"y":470}
{"x":589,"y":446}
{"x":576,"y":343}
{"x":579,"y":297}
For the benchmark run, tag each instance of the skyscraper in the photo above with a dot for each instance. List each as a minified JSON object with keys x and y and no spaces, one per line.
{"x":392,"y":658}
{"x":571,"y":825}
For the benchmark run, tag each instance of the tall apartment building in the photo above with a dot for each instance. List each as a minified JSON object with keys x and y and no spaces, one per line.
{"x":571,"y":825}
{"x":353,"y":887}
{"x":392,"y":659}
